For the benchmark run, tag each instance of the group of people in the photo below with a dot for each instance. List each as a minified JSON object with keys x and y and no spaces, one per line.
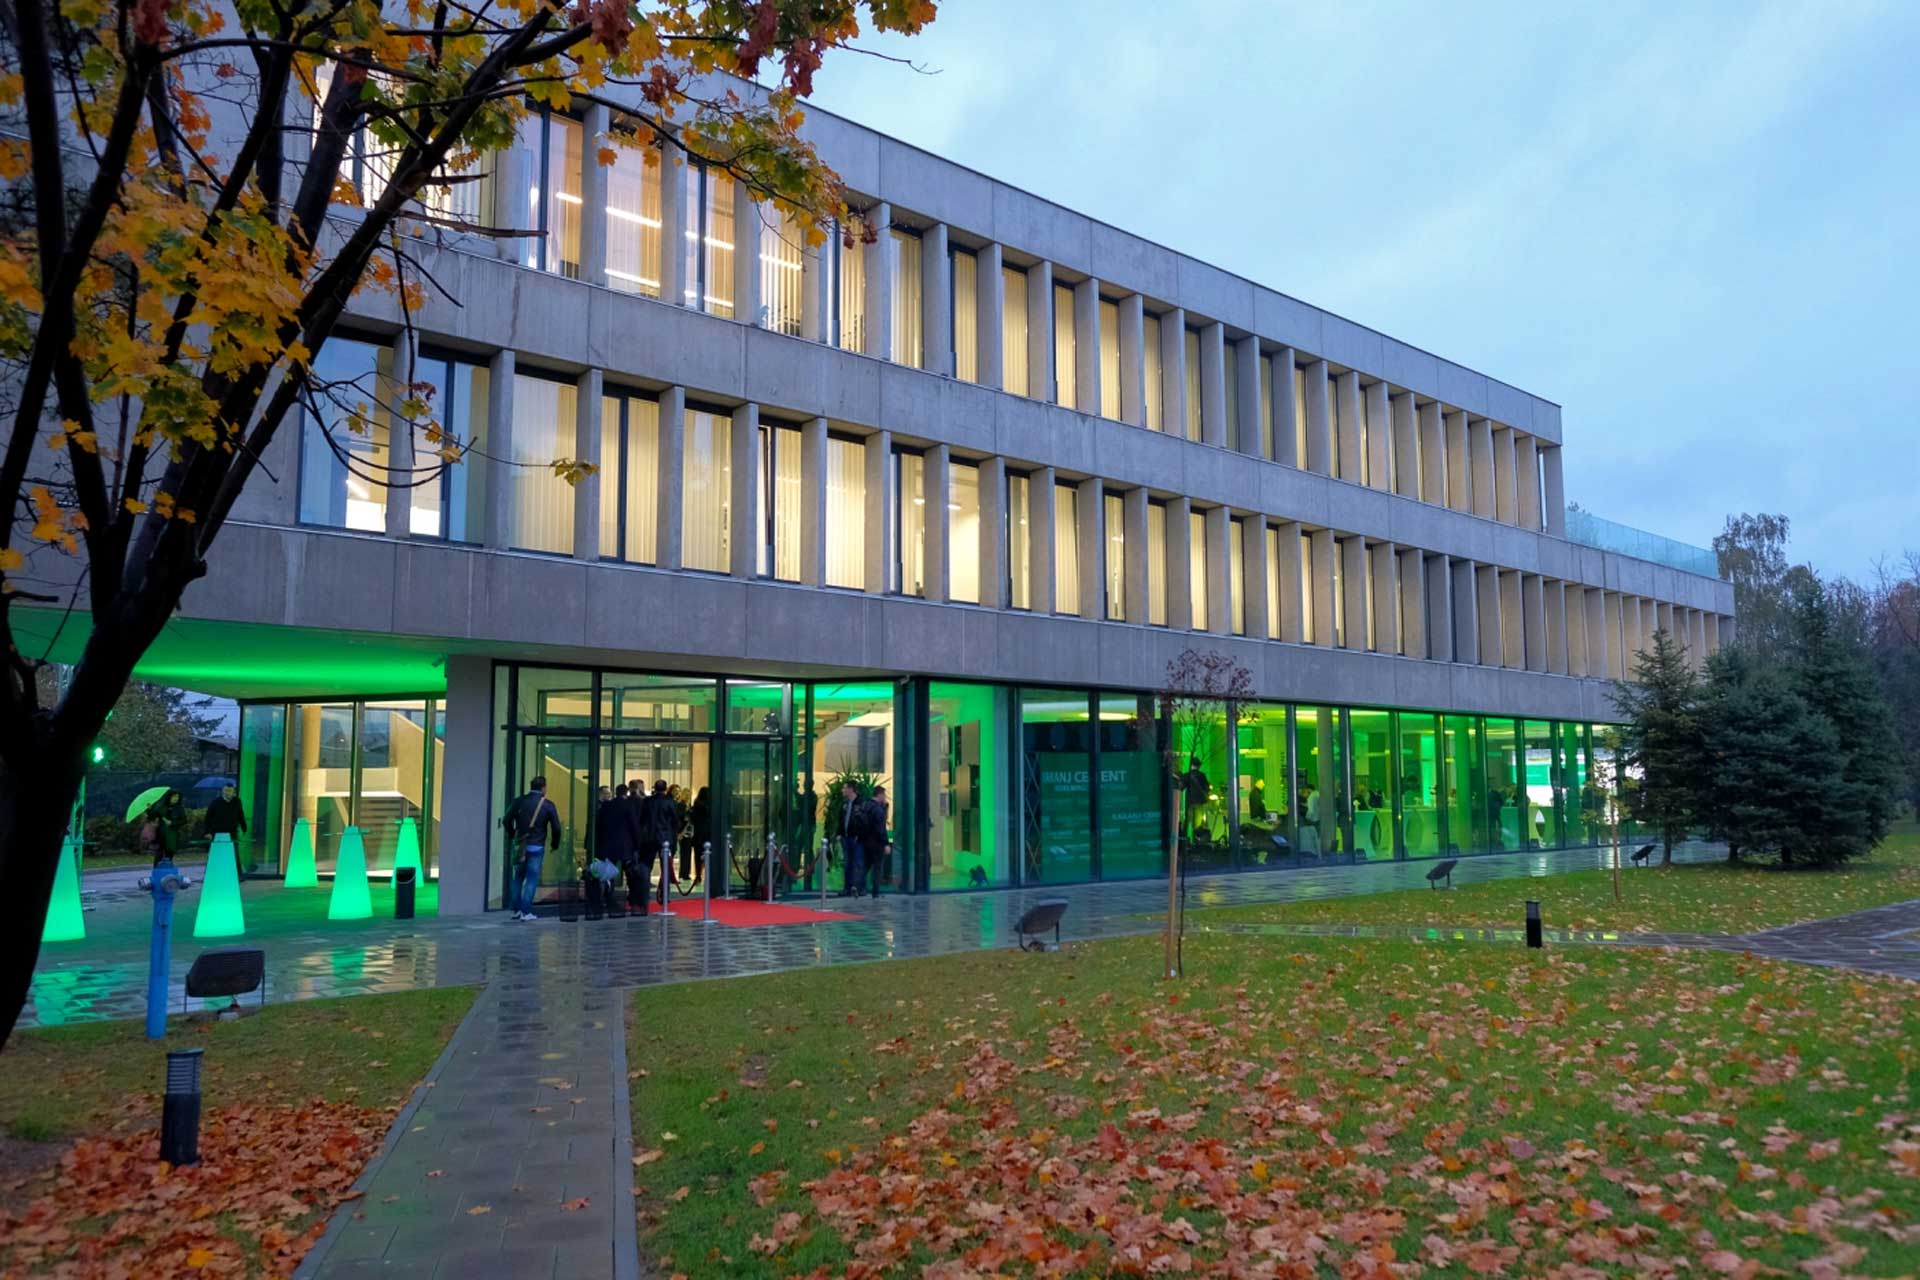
{"x":632,"y":827}
{"x":863,"y":840}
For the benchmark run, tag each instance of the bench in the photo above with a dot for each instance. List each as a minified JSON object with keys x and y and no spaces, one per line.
{"x":1641,"y":854}
{"x":227,"y":971}
{"x":1442,"y":871}
{"x":1037,"y":919}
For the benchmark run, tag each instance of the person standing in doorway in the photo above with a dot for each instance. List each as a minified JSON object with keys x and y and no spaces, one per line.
{"x":659,"y":823}
{"x":533,"y":825}
{"x":851,"y":861}
{"x":613,"y":831}
{"x":640,"y":872}
{"x":700,"y":830}
{"x":873,"y":839}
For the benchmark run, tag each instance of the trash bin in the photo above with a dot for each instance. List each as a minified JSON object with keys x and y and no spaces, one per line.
{"x":403,"y":893}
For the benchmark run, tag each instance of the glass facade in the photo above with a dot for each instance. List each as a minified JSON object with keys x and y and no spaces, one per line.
{"x":633,"y":219}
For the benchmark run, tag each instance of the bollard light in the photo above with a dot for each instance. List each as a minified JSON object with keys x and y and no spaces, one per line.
{"x":180,"y":1110}
{"x":1533,"y":923}
{"x":403,"y":892}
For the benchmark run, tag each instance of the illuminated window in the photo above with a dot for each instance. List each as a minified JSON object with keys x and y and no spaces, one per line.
{"x":633,"y":220}
{"x":910,"y":537}
{"x":544,"y":422}
{"x":1066,"y":549}
{"x":707,"y":499}
{"x":966,"y":316}
{"x":777,"y":514}
{"x":1116,"y":557}
{"x":1019,"y":547}
{"x":629,"y":477}
{"x":850,"y":298}
{"x":1150,"y":353}
{"x":1065,"y":347}
{"x":1193,"y":383}
{"x":1156,"y":564}
{"x":846,"y":513}
{"x":709,"y":240}
{"x":1013,"y":331}
{"x":908,"y":347}
{"x":782,"y":248}
{"x":1197,"y":568}
{"x":963,"y":536}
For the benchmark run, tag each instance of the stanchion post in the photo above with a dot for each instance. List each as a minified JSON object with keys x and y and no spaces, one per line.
{"x":706,"y":882}
{"x":820,"y":868}
{"x":666,"y":874}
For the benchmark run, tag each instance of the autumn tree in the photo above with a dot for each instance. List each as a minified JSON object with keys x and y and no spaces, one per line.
{"x":1206,"y":694}
{"x":169,"y":272}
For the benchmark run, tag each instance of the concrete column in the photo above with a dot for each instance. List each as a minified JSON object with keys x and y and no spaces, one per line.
{"x":1554,"y":603}
{"x":1353,"y":591}
{"x":881,"y":497}
{"x":1252,"y":439}
{"x":816,"y":298}
{"x":1554,"y":491}
{"x":1040,"y":334}
{"x":1406,"y":446}
{"x":1665,"y":623}
{"x":748,"y":306}
{"x":1459,"y":468}
{"x":745,"y":534}
{"x":882,"y":260}
{"x":588,"y":494}
{"x":1040,"y":517}
{"x":1133,"y":363}
{"x":1384,"y":605}
{"x":1220,"y":571}
{"x":1480,"y":462}
{"x":1574,"y":626}
{"x":1179,"y":567}
{"x":1487,"y":602}
{"x":936,"y":301}
{"x":593,"y":204}
{"x":1533,"y":621}
{"x":1286,"y":445}
{"x":1379,"y":437}
{"x":1292,"y":620}
{"x":1213,"y":386}
{"x":1623,"y":633}
{"x":1347,"y":426}
{"x":1433,"y":455}
{"x":1086,"y":351}
{"x":670,"y":482}
{"x":1413,"y":601}
{"x":1320,"y":443}
{"x":937,"y":480}
{"x":1598,"y":662}
{"x":1711,"y":623}
{"x":466,"y":811}
{"x":1465,"y":594}
{"x":400,"y":446}
{"x":989,"y":318}
{"x":1526,"y":469}
{"x":1173,"y":372}
{"x":1439,"y":608}
{"x":1090,"y":505}
{"x":1513,"y":620}
{"x":673,"y":227}
{"x":813,"y":503}
{"x":1134,"y":513}
{"x":1253,"y":576}
{"x":993,"y":533}
{"x":513,"y":174}
{"x":499,"y":526}
{"x":1506,"y":495}
{"x":1324,"y":548}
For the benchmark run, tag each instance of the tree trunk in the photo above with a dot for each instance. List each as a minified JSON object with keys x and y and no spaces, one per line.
{"x":1666,"y":853}
{"x":1733,"y":851}
{"x":34,"y":809}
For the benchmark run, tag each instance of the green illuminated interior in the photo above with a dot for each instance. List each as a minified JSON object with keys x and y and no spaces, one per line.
{"x":65,"y":922}
{"x":351,"y":900}
{"x":219,"y":914}
{"x":301,"y":873}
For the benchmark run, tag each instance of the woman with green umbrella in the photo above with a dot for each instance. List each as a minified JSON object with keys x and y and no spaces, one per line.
{"x":162,"y":810}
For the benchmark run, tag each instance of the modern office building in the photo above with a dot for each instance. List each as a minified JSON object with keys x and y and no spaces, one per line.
{"x":939,"y":508}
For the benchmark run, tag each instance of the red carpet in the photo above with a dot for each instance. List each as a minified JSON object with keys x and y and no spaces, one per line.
{"x":741,"y":913}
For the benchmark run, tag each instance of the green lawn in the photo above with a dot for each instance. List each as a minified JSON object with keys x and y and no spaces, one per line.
{"x":1694,"y":898}
{"x":1293,"y":1105}
{"x":62,"y":1081}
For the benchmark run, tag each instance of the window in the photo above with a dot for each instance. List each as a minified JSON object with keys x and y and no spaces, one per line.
{"x":1128,"y":812}
{"x":368,"y":162}
{"x":850,"y":298}
{"x":1056,"y":732}
{"x":1230,"y":385}
{"x":1339,"y":638}
{"x":910,"y":557}
{"x":1066,"y":549}
{"x":629,"y":477}
{"x":344,"y":455}
{"x":1109,"y":359}
{"x":1468,"y":811}
{"x":453,"y":506}
{"x":1156,"y":564}
{"x":1193,"y":383}
{"x":1150,"y":359}
{"x":782,"y":271}
{"x":846,"y":513}
{"x":972,"y":830}
{"x":1019,"y":549}
{"x":1266,"y":407}
{"x":706,"y":514}
{"x":1273,"y":583}
{"x":709,"y":237}
{"x":1372,"y":756}
{"x":907,"y":345}
{"x":554,"y":198}
{"x":1066,"y":385}
{"x":633,"y":219}
{"x":1116,"y":557}
{"x":966,"y":316}
{"x":1417,"y":783}
{"x":963,"y":536}
{"x":777,"y":518}
{"x":1237,"y":575}
{"x":1300,"y":418}
{"x":1013,"y":331}
{"x":544,"y":421}
{"x":1319,"y":749}
{"x":1197,"y":568}
{"x":1306,"y":590}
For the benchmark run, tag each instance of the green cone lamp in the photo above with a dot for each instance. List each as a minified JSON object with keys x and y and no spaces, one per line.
{"x":350,"y":900}
{"x":219,"y":914}
{"x":300,"y":868}
{"x":64,"y":921}
{"x":406,"y":852}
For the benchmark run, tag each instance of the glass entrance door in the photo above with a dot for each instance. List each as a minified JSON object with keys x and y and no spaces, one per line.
{"x":758,"y":791}
{"x":683,"y":764}
{"x":566,"y":762}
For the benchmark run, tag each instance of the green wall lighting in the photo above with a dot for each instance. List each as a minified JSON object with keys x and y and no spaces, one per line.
{"x":219,"y":914}
{"x":300,"y":869}
{"x":64,"y":920}
{"x":99,"y":753}
{"x":350,"y":900}
{"x":407,"y":852}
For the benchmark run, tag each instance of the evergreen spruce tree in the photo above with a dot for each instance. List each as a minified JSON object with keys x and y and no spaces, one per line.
{"x":1773,"y":765}
{"x":1662,"y":744}
{"x":1830,"y":673}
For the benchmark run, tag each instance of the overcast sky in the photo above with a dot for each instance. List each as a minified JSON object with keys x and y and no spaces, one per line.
{"x":1700,"y":234}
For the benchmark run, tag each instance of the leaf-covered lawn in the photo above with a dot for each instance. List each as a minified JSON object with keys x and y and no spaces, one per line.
{"x":297,"y":1099}
{"x":1295,"y":1106}
{"x":1691,"y":898}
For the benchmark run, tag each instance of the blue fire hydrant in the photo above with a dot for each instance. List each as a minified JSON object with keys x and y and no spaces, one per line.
{"x":165,"y":881}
